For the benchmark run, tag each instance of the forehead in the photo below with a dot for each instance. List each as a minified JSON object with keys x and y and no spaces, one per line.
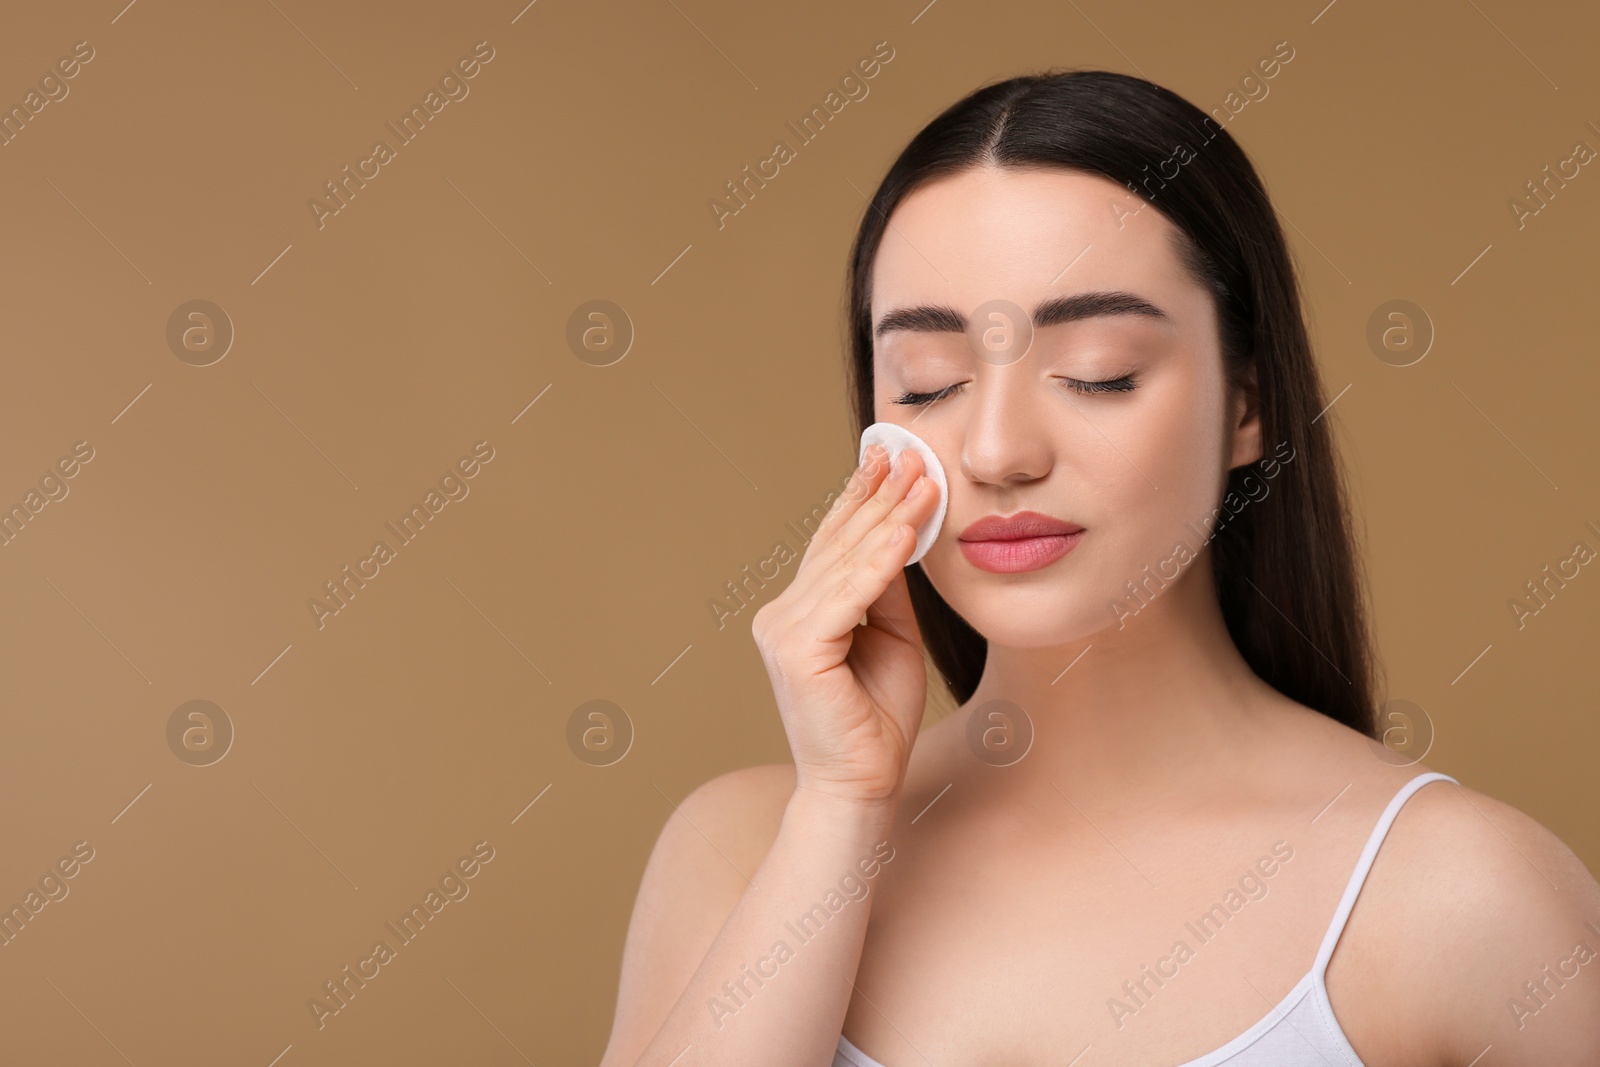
{"x":1025,"y":235}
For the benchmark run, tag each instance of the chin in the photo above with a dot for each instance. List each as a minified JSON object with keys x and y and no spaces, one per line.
{"x":1048,"y":616}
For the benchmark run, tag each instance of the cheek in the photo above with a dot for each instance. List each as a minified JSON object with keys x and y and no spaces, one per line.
{"x":1155,"y":478}
{"x":1175,"y":441}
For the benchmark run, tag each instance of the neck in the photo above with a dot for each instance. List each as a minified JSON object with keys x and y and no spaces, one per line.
{"x":1148,"y":708}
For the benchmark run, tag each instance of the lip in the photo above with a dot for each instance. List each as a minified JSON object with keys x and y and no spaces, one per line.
{"x":1025,"y":541}
{"x":1022,"y":525}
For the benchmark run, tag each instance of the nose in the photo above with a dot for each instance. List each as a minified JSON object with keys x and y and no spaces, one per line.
{"x":1004,"y":443}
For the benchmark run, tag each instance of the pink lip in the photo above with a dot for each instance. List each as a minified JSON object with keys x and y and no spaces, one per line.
{"x":1025,"y":541}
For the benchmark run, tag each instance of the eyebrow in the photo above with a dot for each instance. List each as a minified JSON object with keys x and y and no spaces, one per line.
{"x":940,"y":318}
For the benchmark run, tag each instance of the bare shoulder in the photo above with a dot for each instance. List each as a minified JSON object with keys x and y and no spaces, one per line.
{"x":737,"y":813}
{"x":1477,"y":926}
{"x":708,"y":849}
{"x":703,"y":860}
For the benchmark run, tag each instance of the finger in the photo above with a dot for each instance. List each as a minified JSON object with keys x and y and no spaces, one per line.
{"x":867,"y":477}
{"x":871,"y":513}
{"x":843,"y":593}
{"x":913,"y":506}
{"x":821,"y":579}
{"x":892,"y":612}
{"x":919,"y":503}
{"x":890,"y":619}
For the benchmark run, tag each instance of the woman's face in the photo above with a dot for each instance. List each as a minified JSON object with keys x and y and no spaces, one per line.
{"x":1133,"y":466}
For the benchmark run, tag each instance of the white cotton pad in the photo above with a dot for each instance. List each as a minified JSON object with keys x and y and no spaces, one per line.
{"x":896,"y":439}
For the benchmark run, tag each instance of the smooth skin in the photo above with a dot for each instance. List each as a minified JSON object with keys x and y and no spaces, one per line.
{"x":1021,"y":903}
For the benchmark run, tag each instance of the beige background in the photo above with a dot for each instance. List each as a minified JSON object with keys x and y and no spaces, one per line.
{"x":372,"y":353}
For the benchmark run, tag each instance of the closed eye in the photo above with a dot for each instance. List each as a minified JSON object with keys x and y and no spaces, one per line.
{"x":1123,"y":384}
{"x":927,"y":398}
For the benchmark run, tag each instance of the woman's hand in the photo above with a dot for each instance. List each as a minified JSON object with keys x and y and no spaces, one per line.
{"x":852,"y":696}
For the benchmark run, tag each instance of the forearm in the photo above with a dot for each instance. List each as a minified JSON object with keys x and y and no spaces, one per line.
{"x":775,"y":984}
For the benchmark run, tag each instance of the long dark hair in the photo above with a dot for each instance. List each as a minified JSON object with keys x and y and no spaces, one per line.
{"x":1287,"y":575}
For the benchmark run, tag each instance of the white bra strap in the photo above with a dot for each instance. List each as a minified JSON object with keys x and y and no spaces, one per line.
{"x":1364,"y":864}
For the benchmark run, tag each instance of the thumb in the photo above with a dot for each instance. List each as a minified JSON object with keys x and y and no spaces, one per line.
{"x":892,"y":612}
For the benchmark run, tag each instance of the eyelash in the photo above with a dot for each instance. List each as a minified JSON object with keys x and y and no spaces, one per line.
{"x":1124,"y":384}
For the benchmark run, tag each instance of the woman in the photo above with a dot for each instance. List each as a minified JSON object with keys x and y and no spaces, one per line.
{"x":1150,"y":834}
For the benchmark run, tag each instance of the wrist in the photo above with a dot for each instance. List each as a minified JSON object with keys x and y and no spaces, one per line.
{"x":835,"y":813}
